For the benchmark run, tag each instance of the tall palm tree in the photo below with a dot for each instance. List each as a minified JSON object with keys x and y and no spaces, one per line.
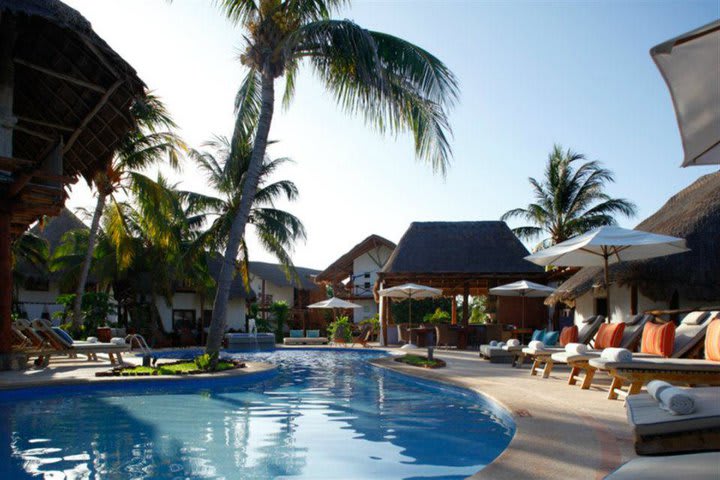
{"x":395,"y":85}
{"x":146,"y":145}
{"x":227,"y":171}
{"x":569,"y":200}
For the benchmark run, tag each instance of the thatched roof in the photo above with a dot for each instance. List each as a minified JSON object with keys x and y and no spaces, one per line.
{"x":274,"y":273}
{"x":693,"y":214}
{"x":237,"y":288}
{"x":485,"y":248}
{"x":72,"y":94}
{"x":342,"y":268}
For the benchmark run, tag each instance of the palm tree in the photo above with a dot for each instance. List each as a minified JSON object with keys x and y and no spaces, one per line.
{"x":140,"y":148}
{"x":227,"y":172}
{"x":569,"y":200}
{"x":395,"y":85}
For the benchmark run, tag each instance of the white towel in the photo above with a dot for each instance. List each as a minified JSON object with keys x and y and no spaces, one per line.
{"x":92,"y":339}
{"x":677,"y":401}
{"x":493,"y":343}
{"x":576,"y":348}
{"x":117,"y":341}
{"x":513,"y":342}
{"x":654,"y":388}
{"x":537,"y":345}
{"x":620,"y":355}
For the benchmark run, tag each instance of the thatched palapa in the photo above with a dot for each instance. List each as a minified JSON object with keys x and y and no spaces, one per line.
{"x":693,"y":214}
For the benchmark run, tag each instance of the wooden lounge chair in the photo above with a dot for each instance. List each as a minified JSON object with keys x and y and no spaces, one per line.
{"x":580,"y":368}
{"x":541,"y":357}
{"x":657,"y":431}
{"x":678,"y":369}
{"x":60,"y":345}
{"x":363,"y":336}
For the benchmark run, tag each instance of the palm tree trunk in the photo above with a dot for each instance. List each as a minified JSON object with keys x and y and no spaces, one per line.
{"x":237,"y":231}
{"x":94,"y":226}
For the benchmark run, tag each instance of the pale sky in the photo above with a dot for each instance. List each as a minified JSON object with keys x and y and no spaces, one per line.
{"x":531,"y":74}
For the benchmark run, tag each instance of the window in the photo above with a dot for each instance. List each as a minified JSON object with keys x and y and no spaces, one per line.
{"x":183,"y":319}
{"x":601,"y":306}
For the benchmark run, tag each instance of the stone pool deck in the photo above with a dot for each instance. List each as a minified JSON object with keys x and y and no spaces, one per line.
{"x":562,"y":431}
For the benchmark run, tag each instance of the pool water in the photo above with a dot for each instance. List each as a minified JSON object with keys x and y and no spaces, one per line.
{"x":324,"y":415}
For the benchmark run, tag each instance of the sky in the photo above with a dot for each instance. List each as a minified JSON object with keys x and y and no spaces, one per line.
{"x":532,"y":74}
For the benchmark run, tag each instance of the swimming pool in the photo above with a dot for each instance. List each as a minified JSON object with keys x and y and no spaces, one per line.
{"x":325,"y":414}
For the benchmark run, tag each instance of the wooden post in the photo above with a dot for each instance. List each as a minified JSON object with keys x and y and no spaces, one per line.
{"x":453,"y":310}
{"x":466,"y":306}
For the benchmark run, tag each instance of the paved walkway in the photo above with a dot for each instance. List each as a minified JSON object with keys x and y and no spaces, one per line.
{"x":562,"y":431}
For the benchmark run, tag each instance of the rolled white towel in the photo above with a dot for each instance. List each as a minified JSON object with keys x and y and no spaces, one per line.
{"x":677,"y":401}
{"x":117,"y":341}
{"x":493,"y":343}
{"x":654,"y":388}
{"x":92,"y":339}
{"x":621,"y":355}
{"x":513,"y":342}
{"x":576,"y":348}
{"x":501,"y":344}
{"x":537,"y":345}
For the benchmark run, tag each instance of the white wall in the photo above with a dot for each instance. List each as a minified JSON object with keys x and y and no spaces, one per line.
{"x":278,"y":293}
{"x":370,"y":263}
{"x":370,"y":308}
{"x":35,"y":302}
{"x":191,"y":301}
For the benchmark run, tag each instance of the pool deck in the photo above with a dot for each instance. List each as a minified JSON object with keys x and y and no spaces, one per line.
{"x":562,"y":431}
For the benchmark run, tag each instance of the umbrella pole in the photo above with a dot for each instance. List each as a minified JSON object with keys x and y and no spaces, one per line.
{"x":607,"y":287}
{"x":523,"y":310}
{"x":410,"y":310}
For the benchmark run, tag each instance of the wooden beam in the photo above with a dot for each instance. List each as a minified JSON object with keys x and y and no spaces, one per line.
{"x":100,"y":56}
{"x":13,"y":164}
{"x":62,"y":76}
{"x":6,"y":282}
{"x":43,"y":123}
{"x":90,"y":115}
{"x":34,"y":133}
{"x":7,"y":84}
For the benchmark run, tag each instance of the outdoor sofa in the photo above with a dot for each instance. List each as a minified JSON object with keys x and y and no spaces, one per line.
{"x":311,"y":337}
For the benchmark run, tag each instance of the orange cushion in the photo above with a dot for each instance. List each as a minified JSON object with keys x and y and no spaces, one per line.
{"x":569,"y":335}
{"x":609,"y":335}
{"x":658,"y":339}
{"x":712,"y":340}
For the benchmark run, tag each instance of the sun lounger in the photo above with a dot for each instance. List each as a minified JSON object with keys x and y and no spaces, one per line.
{"x":540,"y":357}
{"x":363,"y":336}
{"x":688,"y":339}
{"x":656,"y":431}
{"x":697,"y":466}
{"x":311,"y":338}
{"x":579,"y":363}
{"x":62,"y":346}
{"x":500,"y":352}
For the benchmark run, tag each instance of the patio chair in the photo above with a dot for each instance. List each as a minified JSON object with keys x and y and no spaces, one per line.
{"x":61,"y":345}
{"x":659,"y":432}
{"x":311,"y":337}
{"x":445,"y":336}
{"x":540,"y":357}
{"x":677,"y":369}
{"x":363,"y":336}
{"x":579,"y":363}
{"x":403,"y":333}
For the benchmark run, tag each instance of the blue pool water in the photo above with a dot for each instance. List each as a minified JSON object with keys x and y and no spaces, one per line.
{"x":323,"y":415}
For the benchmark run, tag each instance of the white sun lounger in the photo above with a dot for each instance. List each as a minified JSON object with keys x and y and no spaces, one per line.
{"x":698,"y":466}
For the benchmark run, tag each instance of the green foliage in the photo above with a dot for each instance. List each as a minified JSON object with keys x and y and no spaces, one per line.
{"x":263,"y":325}
{"x":418,"y":361}
{"x":340,"y":329}
{"x":280,"y":311}
{"x":438,"y":316}
{"x":374,"y":323}
{"x":570,"y":200}
{"x":203,"y":362}
{"x":420,"y":308}
{"x":479,"y":310}
{"x":96,"y":307}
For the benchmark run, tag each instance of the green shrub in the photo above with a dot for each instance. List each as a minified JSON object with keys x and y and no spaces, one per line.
{"x":340,"y":329}
{"x":204,"y":361}
{"x":439,"y":316}
{"x":280,"y":311}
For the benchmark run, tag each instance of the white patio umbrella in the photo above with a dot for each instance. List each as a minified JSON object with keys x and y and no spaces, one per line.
{"x":335,"y":303}
{"x":608,"y":245}
{"x":690,"y":65}
{"x":410,"y":291}
{"x":522,"y":288}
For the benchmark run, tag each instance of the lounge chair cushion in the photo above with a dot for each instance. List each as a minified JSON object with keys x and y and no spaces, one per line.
{"x":659,"y":364}
{"x":647,"y":418}
{"x":547,"y":351}
{"x":712,"y":341}
{"x":658,"y":339}
{"x":697,"y":466}
{"x":694,"y":318}
{"x":296,"y":333}
{"x":313,"y":333}
{"x":550,"y":338}
{"x":538,"y":335}
{"x":63,"y":334}
{"x":565,"y":357}
{"x":569,"y":335}
{"x":609,"y":335}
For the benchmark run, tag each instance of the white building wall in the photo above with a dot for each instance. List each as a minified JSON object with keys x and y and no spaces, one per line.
{"x":191,"y":301}
{"x":365,"y":270}
{"x":279,"y":293}
{"x":34,"y":302}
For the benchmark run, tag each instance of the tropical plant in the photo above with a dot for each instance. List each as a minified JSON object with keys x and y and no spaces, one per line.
{"x":29,"y":249}
{"x":280,"y":311}
{"x":395,"y":85}
{"x":340,"y":329}
{"x":147,"y":144}
{"x":479,"y":310}
{"x":373,"y":322}
{"x":569,"y":200}
{"x":438,"y":316}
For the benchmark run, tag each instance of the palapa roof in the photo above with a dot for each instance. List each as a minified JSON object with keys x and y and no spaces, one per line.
{"x":342,"y":268}
{"x":693,"y":214}
{"x":72,"y":95}
{"x":478,"y":248}
{"x":274,"y":273}
{"x":237,"y":287}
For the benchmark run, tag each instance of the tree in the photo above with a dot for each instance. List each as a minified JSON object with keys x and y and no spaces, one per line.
{"x":142,"y":147}
{"x":570,"y":200}
{"x":395,"y":85}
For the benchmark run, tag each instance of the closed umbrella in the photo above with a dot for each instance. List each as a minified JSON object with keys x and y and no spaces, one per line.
{"x":607,"y":245}
{"x":523,"y":289}
{"x":410,"y":291}
{"x":690,"y":65}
